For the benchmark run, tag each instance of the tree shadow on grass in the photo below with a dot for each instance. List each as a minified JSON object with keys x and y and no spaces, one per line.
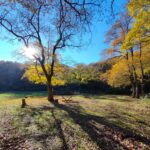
{"x":49,"y":125}
{"x":105,"y":134}
{"x":120,"y":98}
{"x":59,"y":128}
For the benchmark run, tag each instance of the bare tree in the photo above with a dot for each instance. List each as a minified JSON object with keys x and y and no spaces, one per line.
{"x":48,"y":24}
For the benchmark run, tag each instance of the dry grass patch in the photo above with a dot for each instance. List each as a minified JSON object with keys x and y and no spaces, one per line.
{"x":85,"y":123}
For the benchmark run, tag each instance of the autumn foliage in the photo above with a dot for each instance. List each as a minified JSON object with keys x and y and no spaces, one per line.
{"x":129,"y":39}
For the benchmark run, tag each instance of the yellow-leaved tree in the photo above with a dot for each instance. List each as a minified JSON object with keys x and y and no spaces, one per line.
{"x":115,"y":37}
{"x":139,"y":35}
{"x":119,"y":76}
{"x":140,"y":31}
{"x":36,"y":75}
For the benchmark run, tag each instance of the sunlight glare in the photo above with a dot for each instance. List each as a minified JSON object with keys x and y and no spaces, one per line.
{"x":29,"y":52}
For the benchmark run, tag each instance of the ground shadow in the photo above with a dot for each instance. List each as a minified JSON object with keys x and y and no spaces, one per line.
{"x":59,"y":128}
{"x":111,"y":97}
{"x":43,"y":136}
{"x":107,"y":137}
{"x":105,"y":134}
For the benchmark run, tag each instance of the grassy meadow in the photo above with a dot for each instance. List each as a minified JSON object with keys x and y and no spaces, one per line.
{"x":87,"y":122}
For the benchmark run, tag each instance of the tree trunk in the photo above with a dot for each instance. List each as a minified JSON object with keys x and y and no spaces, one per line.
{"x":142,"y":72}
{"x":132,"y":74}
{"x":50,"y":92}
{"x":49,"y":82}
{"x":142,"y":90}
{"x":136,"y":85}
{"x":23,"y":105}
{"x":133,"y":91}
{"x":137,"y":91}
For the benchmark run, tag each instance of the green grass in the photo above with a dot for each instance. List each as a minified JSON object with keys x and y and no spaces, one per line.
{"x":15,"y":95}
{"x":88,"y":122}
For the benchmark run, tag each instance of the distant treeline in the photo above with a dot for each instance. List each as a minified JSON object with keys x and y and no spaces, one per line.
{"x":11,"y":78}
{"x":79,"y":79}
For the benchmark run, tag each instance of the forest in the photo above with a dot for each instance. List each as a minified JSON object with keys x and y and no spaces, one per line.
{"x":80,"y":78}
{"x":49,"y":104}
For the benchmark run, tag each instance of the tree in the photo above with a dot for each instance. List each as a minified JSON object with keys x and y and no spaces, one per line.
{"x":140,"y":31}
{"x":119,"y":76}
{"x":35,"y":74}
{"x":48,"y":26}
{"x":85,"y":78}
{"x":115,"y":37}
{"x":82,"y":74}
{"x":139,"y":35}
{"x":128,"y":35}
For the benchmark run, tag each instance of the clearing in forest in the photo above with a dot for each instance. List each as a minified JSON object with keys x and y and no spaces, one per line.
{"x":85,"y":123}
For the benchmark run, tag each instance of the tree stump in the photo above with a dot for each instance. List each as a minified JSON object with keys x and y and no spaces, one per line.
{"x":23,"y":103}
{"x":56,"y":101}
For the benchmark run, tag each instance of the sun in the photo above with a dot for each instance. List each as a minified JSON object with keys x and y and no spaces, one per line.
{"x":29,"y":52}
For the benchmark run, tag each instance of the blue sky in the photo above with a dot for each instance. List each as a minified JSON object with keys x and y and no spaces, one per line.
{"x":91,"y":52}
{"x":86,"y":54}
